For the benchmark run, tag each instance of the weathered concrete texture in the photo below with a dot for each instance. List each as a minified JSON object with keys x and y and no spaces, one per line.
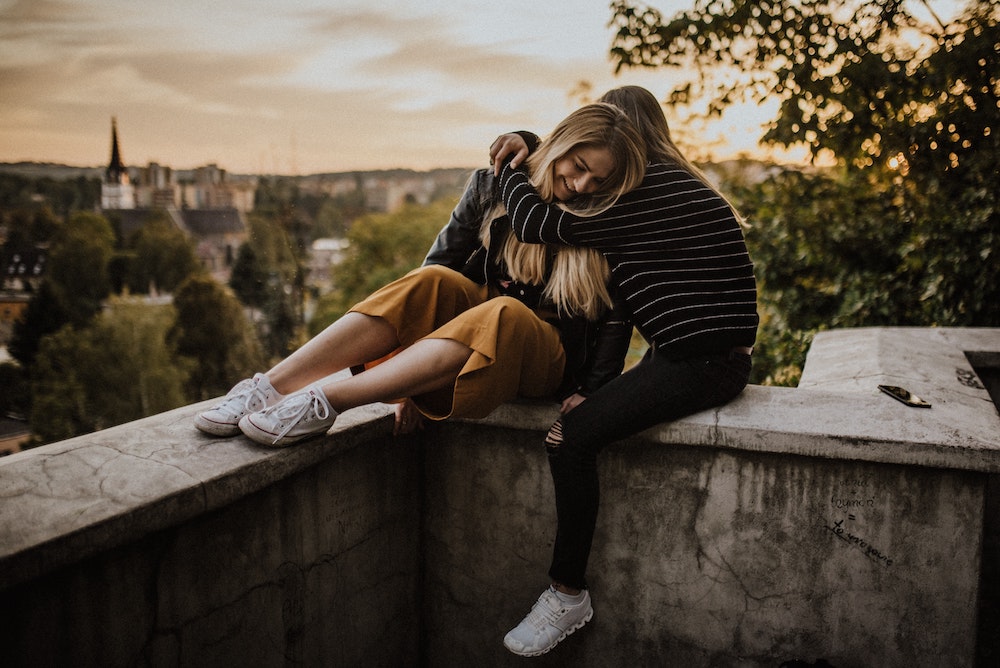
{"x":319,"y":568}
{"x":707,"y":557}
{"x":823,"y":522}
{"x":67,"y":500}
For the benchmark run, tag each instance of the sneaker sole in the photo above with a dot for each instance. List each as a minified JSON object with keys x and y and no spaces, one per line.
{"x":266,"y":438}
{"x":567,"y":633}
{"x":216,"y":428}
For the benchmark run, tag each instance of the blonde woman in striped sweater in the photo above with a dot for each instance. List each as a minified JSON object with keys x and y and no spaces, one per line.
{"x":679,"y":261}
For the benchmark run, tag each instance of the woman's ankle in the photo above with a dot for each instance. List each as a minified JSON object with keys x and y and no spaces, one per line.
{"x":569,"y":591}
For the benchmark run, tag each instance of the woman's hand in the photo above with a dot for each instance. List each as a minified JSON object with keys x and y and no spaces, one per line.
{"x":408,"y":418}
{"x":505,"y":145}
{"x":571,"y":402}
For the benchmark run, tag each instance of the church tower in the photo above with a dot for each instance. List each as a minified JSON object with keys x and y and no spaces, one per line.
{"x":116,"y":190}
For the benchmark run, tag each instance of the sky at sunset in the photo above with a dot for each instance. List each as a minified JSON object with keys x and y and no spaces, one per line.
{"x":305,"y":86}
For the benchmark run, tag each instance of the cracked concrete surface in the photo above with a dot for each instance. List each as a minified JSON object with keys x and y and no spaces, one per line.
{"x":822,"y":521}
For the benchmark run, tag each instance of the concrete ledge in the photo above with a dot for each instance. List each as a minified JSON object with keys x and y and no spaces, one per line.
{"x":68,"y":500}
{"x":80,"y":496}
{"x":870,"y":511}
{"x":837,"y":412}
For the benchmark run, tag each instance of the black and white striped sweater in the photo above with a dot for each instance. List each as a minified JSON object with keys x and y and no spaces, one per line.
{"x":676,"y":251}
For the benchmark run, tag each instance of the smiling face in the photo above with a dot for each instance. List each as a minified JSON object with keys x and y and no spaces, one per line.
{"x":582,"y":171}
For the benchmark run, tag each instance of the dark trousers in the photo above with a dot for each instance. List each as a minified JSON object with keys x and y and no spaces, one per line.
{"x":655,"y":390}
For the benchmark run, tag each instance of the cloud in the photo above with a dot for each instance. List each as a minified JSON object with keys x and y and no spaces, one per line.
{"x":296,"y":85}
{"x":24,"y":17}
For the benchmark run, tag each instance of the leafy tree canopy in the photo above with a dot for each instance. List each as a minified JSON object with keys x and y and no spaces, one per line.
{"x":213,"y":333}
{"x":907,"y":100}
{"x":116,"y":369}
{"x":164,"y":257}
{"x":867,"y":80}
{"x":78,"y":265}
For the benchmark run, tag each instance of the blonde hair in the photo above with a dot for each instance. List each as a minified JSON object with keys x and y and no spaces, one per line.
{"x":645,"y":111}
{"x":577,"y":282}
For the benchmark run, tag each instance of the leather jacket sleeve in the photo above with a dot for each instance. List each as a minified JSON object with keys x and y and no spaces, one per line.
{"x":459,"y":239}
{"x":614,"y":335}
{"x":595,"y":351}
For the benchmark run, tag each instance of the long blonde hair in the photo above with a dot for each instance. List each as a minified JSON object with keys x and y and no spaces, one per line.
{"x":577,"y":282}
{"x":645,"y":111}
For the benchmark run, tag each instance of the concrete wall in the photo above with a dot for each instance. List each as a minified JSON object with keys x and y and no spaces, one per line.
{"x":823,"y":522}
{"x":707,"y":557}
{"x":320,"y":568}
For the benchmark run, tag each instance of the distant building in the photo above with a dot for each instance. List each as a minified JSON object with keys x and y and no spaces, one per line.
{"x":324,"y":254}
{"x":23,"y":270}
{"x":202,"y":203}
{"x":14,"y":433}
{"x":117,"y":191}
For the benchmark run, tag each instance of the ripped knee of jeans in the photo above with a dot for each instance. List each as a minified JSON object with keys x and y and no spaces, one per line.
{"x":554,"y":438}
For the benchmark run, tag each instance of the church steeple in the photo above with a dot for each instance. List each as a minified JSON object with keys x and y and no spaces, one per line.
{"x":116,"y":171}
{"x":116,"y":191}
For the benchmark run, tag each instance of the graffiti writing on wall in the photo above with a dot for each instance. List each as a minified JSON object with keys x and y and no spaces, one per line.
{"x":857,"y":541}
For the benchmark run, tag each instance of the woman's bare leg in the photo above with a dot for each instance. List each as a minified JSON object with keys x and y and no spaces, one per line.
{"x":427,"y":365}
{"x":353,"y":339}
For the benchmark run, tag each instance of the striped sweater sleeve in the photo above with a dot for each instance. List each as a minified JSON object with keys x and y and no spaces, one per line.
{"x":676,"y":252}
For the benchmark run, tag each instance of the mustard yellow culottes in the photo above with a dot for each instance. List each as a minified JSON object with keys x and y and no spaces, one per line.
{"x":514,"y":352}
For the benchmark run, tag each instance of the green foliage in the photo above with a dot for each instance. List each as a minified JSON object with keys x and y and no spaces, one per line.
{"x":280,"y":201}
{"x":117,"y":369}
{"x":861,"y":78}
{"x":267,"y":275}
{"x":335,"y":214}
{"x":43,"y":316}
{"x":382,"y":247}
{"x":14,"y":398}
{"x":213,"y":334}
{"x":30,"y":227}
{"x":906,"y":231}
{"x":78,"y":265}
{"x":163,"y":257}
{"x":249,"y":277}
{"x":63,"y":196}
{"x":828,"y":251}
{"x":272,"y":247}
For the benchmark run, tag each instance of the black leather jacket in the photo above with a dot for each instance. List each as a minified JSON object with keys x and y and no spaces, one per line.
{"x":595,"y":350}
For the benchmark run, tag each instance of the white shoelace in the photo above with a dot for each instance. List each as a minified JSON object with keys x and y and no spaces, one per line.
{"x":546,"y":611}
{"x":247,"y":391}
{"x":297,"y":408}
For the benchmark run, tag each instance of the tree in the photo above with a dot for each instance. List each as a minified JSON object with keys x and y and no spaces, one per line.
{"x":117,"y":369}
{"x":907,"y":231}
{"x":381,"y":248}
{"x":249,"y":277}
{"x":29,"y":227}
{"x":268,"y":276}
{"x":862,"y":78}
{"x":164,"y":257}
{"x":16,"y":397}
{"x":213,"y":334}
{"x":44,"y":315}
{"x":78,"y":265}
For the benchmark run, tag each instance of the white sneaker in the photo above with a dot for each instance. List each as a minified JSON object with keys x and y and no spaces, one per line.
{"x":297,"y":416}
{"x":249,"y":395}
{"x":548,"y":623}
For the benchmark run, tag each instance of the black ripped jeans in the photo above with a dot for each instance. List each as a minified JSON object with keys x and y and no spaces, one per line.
{"x":655,"y":390}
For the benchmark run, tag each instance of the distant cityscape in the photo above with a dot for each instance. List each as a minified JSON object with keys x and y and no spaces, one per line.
{"x":209,"y":205}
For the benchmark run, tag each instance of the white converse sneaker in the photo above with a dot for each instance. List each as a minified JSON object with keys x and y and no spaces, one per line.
{"x":249,"y":395}
{"x":548,"y":623}
{"x":297,"y":416}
